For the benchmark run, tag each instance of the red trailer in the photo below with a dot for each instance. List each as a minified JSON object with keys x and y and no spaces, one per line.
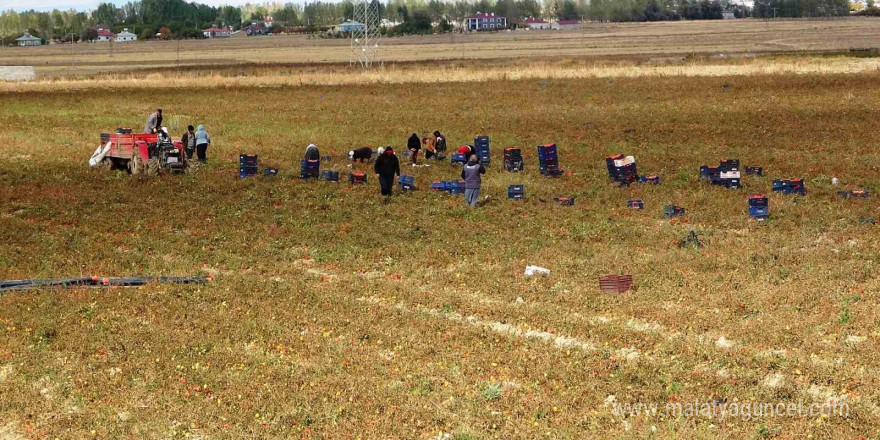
{"x":140,"y":153}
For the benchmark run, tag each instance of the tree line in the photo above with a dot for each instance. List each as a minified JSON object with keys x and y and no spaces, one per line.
{"x":180,"y":19}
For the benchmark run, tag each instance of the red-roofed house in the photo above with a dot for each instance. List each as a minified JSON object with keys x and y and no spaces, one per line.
{"x":105,"y":34}
{"x":216,"y":32}
{"x":485,"y":21}
{"x":536,"y":23}
{"x":565,"y":25}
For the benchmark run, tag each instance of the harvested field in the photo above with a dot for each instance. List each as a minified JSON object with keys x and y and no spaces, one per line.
{"x":645,"y":40}
{"x":335,"y":314}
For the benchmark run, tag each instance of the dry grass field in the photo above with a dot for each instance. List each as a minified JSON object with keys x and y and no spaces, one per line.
{"x":334,"y":314}
{"x":645,"y":40}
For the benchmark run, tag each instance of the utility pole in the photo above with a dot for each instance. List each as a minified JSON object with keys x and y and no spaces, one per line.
{"x":72,"y":52}
{"x":774,"y":13}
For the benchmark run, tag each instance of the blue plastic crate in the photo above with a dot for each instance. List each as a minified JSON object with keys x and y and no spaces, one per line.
{"x":635,"y":204}
{"x":655,"y":180}
{"x":516,"y":192}
{"x":439,"y":185}
{"x":247,"y":159}
{"x":407,"y":182}
{"x":759,"y":212}
{"x":793,"y":186}
{"x":758,"y":200}
{"x":457,"y":158}
{"x":330,"y":175}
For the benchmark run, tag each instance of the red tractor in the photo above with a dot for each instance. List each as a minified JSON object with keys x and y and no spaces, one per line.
{"x":140,"y":153}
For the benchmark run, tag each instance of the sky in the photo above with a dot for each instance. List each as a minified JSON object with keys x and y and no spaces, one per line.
{"x":87,"y":5}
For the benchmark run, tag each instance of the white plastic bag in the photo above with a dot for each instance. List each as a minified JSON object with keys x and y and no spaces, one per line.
{"x":99,"y":154}
{"x":536,"y":270}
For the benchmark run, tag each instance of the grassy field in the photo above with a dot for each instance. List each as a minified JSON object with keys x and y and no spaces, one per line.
{"x":334,"y":314}
{"x":644,"y":40}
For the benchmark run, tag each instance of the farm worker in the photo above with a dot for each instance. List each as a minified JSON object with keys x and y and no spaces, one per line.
{"x":439,"y":142}
{"x":428,"y":142}
{"x":189,"y":141}
{"x":470,"y":172}
{"x":312,"y":153}
{"x":162,"y":136}
{"x":414,"y":144}
{"x":154,"y":121}
{"x":387,"y":166}
{"x":362,"y":154}
{"x":202,"y":142}
{"x":466,"y":150}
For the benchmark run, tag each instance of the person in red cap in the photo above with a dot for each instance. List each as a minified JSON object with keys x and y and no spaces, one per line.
{"x":387,"y":166}
{"x":466,"y":150}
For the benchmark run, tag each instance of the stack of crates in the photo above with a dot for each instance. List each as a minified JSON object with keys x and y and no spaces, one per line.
{"x":451,"y":187}
{"x":357,"y":177}
{"x":481,"y":147}
{"x":407,"y":183}
{"x":793,"y":186}
{"x":310,"y":169}
{"x":516,"y":192}
{"x":754,"y":171}
{"x":248,"y":165}
{"x":513,"y":160}
{"x":726,"y":174}
{"x":548,"y":159}
{"x":622,"y":169}
{"x":758,"y":207}
{"x":330,"y":175}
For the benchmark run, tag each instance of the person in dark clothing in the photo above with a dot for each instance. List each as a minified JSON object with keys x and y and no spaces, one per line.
{"x":439,"y":142}
{"x":414,"y":144}
{"x":362,"y":154}
{"x":312,"y":153}
{"x":189,"y":141}
{"x":470,"y":172}
{"x":387,"y":166}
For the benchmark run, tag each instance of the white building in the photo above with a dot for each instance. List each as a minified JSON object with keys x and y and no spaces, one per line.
{"x":28,"y":40}
{"x":216,"y":32}
{"x":105,"y":34}
{"x":485,"y":21}
{"x":536,"y":23}
{"x":125,"y":35}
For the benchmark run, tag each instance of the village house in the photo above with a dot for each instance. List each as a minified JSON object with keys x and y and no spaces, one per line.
{"x":485,"y":21}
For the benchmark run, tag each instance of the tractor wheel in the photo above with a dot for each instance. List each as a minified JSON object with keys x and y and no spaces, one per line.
{"x":136,"y":164}
{"x":152,"y":168}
